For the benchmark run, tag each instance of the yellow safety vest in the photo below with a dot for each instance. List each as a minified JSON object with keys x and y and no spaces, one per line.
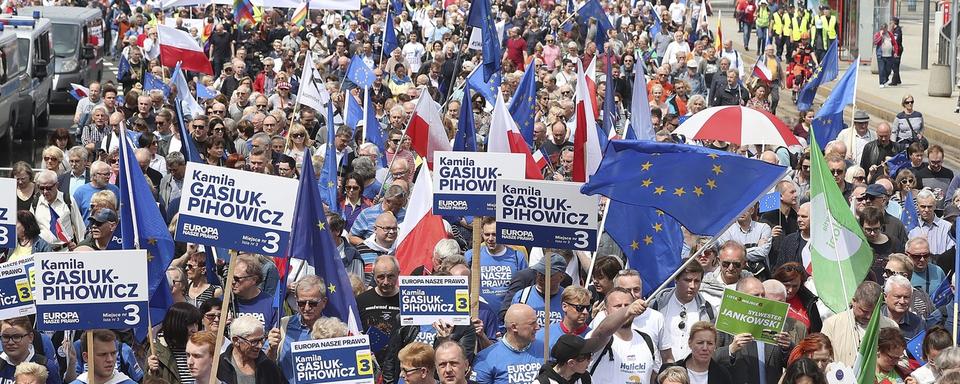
{"x":799,"y":27}
{"x":829,"y":24}
{"x":777,"y":24}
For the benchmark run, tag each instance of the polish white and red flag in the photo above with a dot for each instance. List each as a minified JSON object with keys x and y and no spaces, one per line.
{"x":177,"y":45}
{"x":421,"y":229}
{"x":505,"y":137}
{"x":426,"y":131}
{"x":586,"y":144}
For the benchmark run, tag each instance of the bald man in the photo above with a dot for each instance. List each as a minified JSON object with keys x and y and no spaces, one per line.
{"x":878,"y":151}
{"x":741,"y":354}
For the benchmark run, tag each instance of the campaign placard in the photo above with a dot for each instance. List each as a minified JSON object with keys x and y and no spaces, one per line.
{"x":234,"y":209}
{"x":8,"y":213}
{"x":465,"y":183}
{"x":89,"y":290}
{"x":342,"y":360}
{"x":16,"y":288}
{"x":426,"y":299}
{"x":743,"y":313}
{"x":549,"y":214}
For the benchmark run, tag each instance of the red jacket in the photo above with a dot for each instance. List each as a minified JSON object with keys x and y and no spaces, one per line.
{"x":878,"y":41}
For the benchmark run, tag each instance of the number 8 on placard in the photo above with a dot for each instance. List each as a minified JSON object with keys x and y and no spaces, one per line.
{"x":364,"y":363}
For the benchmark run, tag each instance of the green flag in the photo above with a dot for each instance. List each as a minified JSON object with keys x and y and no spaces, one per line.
{"x":866,"y":364}
{"x":839,"y":252}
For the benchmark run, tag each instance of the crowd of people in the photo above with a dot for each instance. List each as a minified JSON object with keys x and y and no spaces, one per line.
{"x":601,"y":329}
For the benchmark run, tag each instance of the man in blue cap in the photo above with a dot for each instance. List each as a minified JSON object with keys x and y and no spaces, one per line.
{"x":533,"y":295}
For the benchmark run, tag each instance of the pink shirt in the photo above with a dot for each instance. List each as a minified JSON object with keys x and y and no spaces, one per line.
{"x":550,"y":56}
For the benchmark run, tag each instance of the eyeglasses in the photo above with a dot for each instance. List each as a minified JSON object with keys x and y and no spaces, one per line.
{"x":866,"y":198}
{"x":407,"y":371}
{"x":305,"y":303}
{"x":860,"y":178}
{"x":887,"y":273}
{"x":906,"y":181}
{"x":837,"y":172}
{"x":919,"y":256}
{"x":683,"y":318}
{"x":298,"y":135}
{"x":219,"y":112}
{"x":908,"y":102}
{"x":261,"y":106}
{"x":46,"y":187}
{"x":199,"y":126}
{"x":386,"y":229}
{"x":195,"y":266}
{"x":735,"y":264}
{"x":579,"y":307}
{"x":240,"y":278}
{"x":211,"y":316}
{"x":50,"y":158}
{"x":872,"y":229}
{"x":352,"y":187}
{"x":14,"y":338}
{"x":253,"y":343}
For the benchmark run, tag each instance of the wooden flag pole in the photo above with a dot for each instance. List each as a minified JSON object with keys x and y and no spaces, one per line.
{"x":224,"y":309}
{"x":475,"y":267}
{"x":547,"y":262}
{"x":91,"y":376}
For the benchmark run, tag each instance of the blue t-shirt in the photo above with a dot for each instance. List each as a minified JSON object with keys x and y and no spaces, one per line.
{"x":532,"y":297}
{"x":295,"y":332}
{"x":556,"y":332}
{"x":260,"y":307}
{"x":7,"y":372}
{"x":496,"y":271}
{"x":499,"y":364}
{"x":84,"y":194}
{"x":929,"y":279}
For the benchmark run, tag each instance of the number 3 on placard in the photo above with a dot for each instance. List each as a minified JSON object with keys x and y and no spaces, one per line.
{"x":133,"y":314}
{"x":364,"y":363}
{"x":581,"y":239}
{"x":272,"y":244}
{"x":4,"y":235}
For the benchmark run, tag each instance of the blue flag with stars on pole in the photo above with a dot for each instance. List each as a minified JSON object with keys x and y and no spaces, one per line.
{"x":650,"y":239}
{"x":360,"y":73}
{"x":896,"y":163}
{"x":909,"y":215}
{"x":123,"y":67}
{"x":151,"y":82}
{"x":593,"y":10}
{"x":312,"y":242}
{"x":770,"y":202}
{"x":488,"y":87}
{"x":480,"y":16}
{"x":829,"y":119}
{"x":143,"y":228}
{"x":465,"y":140}
{"x":390,"y":41}
{"x":828,"y":70}
{"x":353,"y":111}
{"x":610,"y":111}
{"x":710,"y":191}
{"x":915,"y":346}
{"x":523,"y":101}
{"x":328,"y":175}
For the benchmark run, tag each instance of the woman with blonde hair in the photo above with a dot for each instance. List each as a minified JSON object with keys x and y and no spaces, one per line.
{"x":298,"y":140}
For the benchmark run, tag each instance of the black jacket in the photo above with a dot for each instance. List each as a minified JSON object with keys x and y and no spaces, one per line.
{"x":63,"y":181}
{"x":547,"y":374}
{"x":716,"y":373}
{"x":809,"y":301}
{"x":721,"y":95}
{"x":267,"y":371}
{"x":790,"y":247}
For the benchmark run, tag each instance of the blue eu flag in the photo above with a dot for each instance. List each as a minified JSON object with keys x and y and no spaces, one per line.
{"x":896,"y":163}
{"x":610,"y":111}
{"x":649,"y":238}
{"x":390,"y":42}
{"x":702,"y":188}
{"x":123,"y":67}
{"x":328,"y":175}
{"x":827,"y":71}
{"x":909,"y":215}
{"x":312,"y":242}
{"x":943,"y":294}
{"x":373,"y":133}
{"x":593,"y":10}
{"x":353,"y":111}
{"x":524,"y":99}
{"x":151,"y":82}
{"x":486,"y":86}
{"x":829,"y":119}
{"x":465,"y":139}
{"x":143,"y":228}
{"x":481,"y":17}
{"x":915,"y":346}
{"x":770,"y":202}
{"x":360,"y":73}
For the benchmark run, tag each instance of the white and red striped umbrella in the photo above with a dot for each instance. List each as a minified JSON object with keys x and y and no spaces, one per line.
{"x":736,"y":124}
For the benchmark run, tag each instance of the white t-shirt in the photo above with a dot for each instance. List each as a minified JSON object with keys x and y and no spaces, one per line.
{"x":678,"y":337}
{"x":697,"y":377}
{"x":632,"y":362}
{"x":677,"y":12}
{"x":413,"y":52}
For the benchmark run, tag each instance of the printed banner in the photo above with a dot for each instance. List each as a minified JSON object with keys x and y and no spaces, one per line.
{"x":89,"y":290}
{"x":466,"y":182}
{"x":16,"y":288}
{"x":343,"y":360}
{"x":8,"y":213}
{"x":743,"y":313}
{"x":426,"y":299}
{"x":549,"y":214}
{"x":234,"y":209}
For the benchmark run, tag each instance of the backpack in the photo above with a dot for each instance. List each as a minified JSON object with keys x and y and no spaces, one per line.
{"x":609,"y":349}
